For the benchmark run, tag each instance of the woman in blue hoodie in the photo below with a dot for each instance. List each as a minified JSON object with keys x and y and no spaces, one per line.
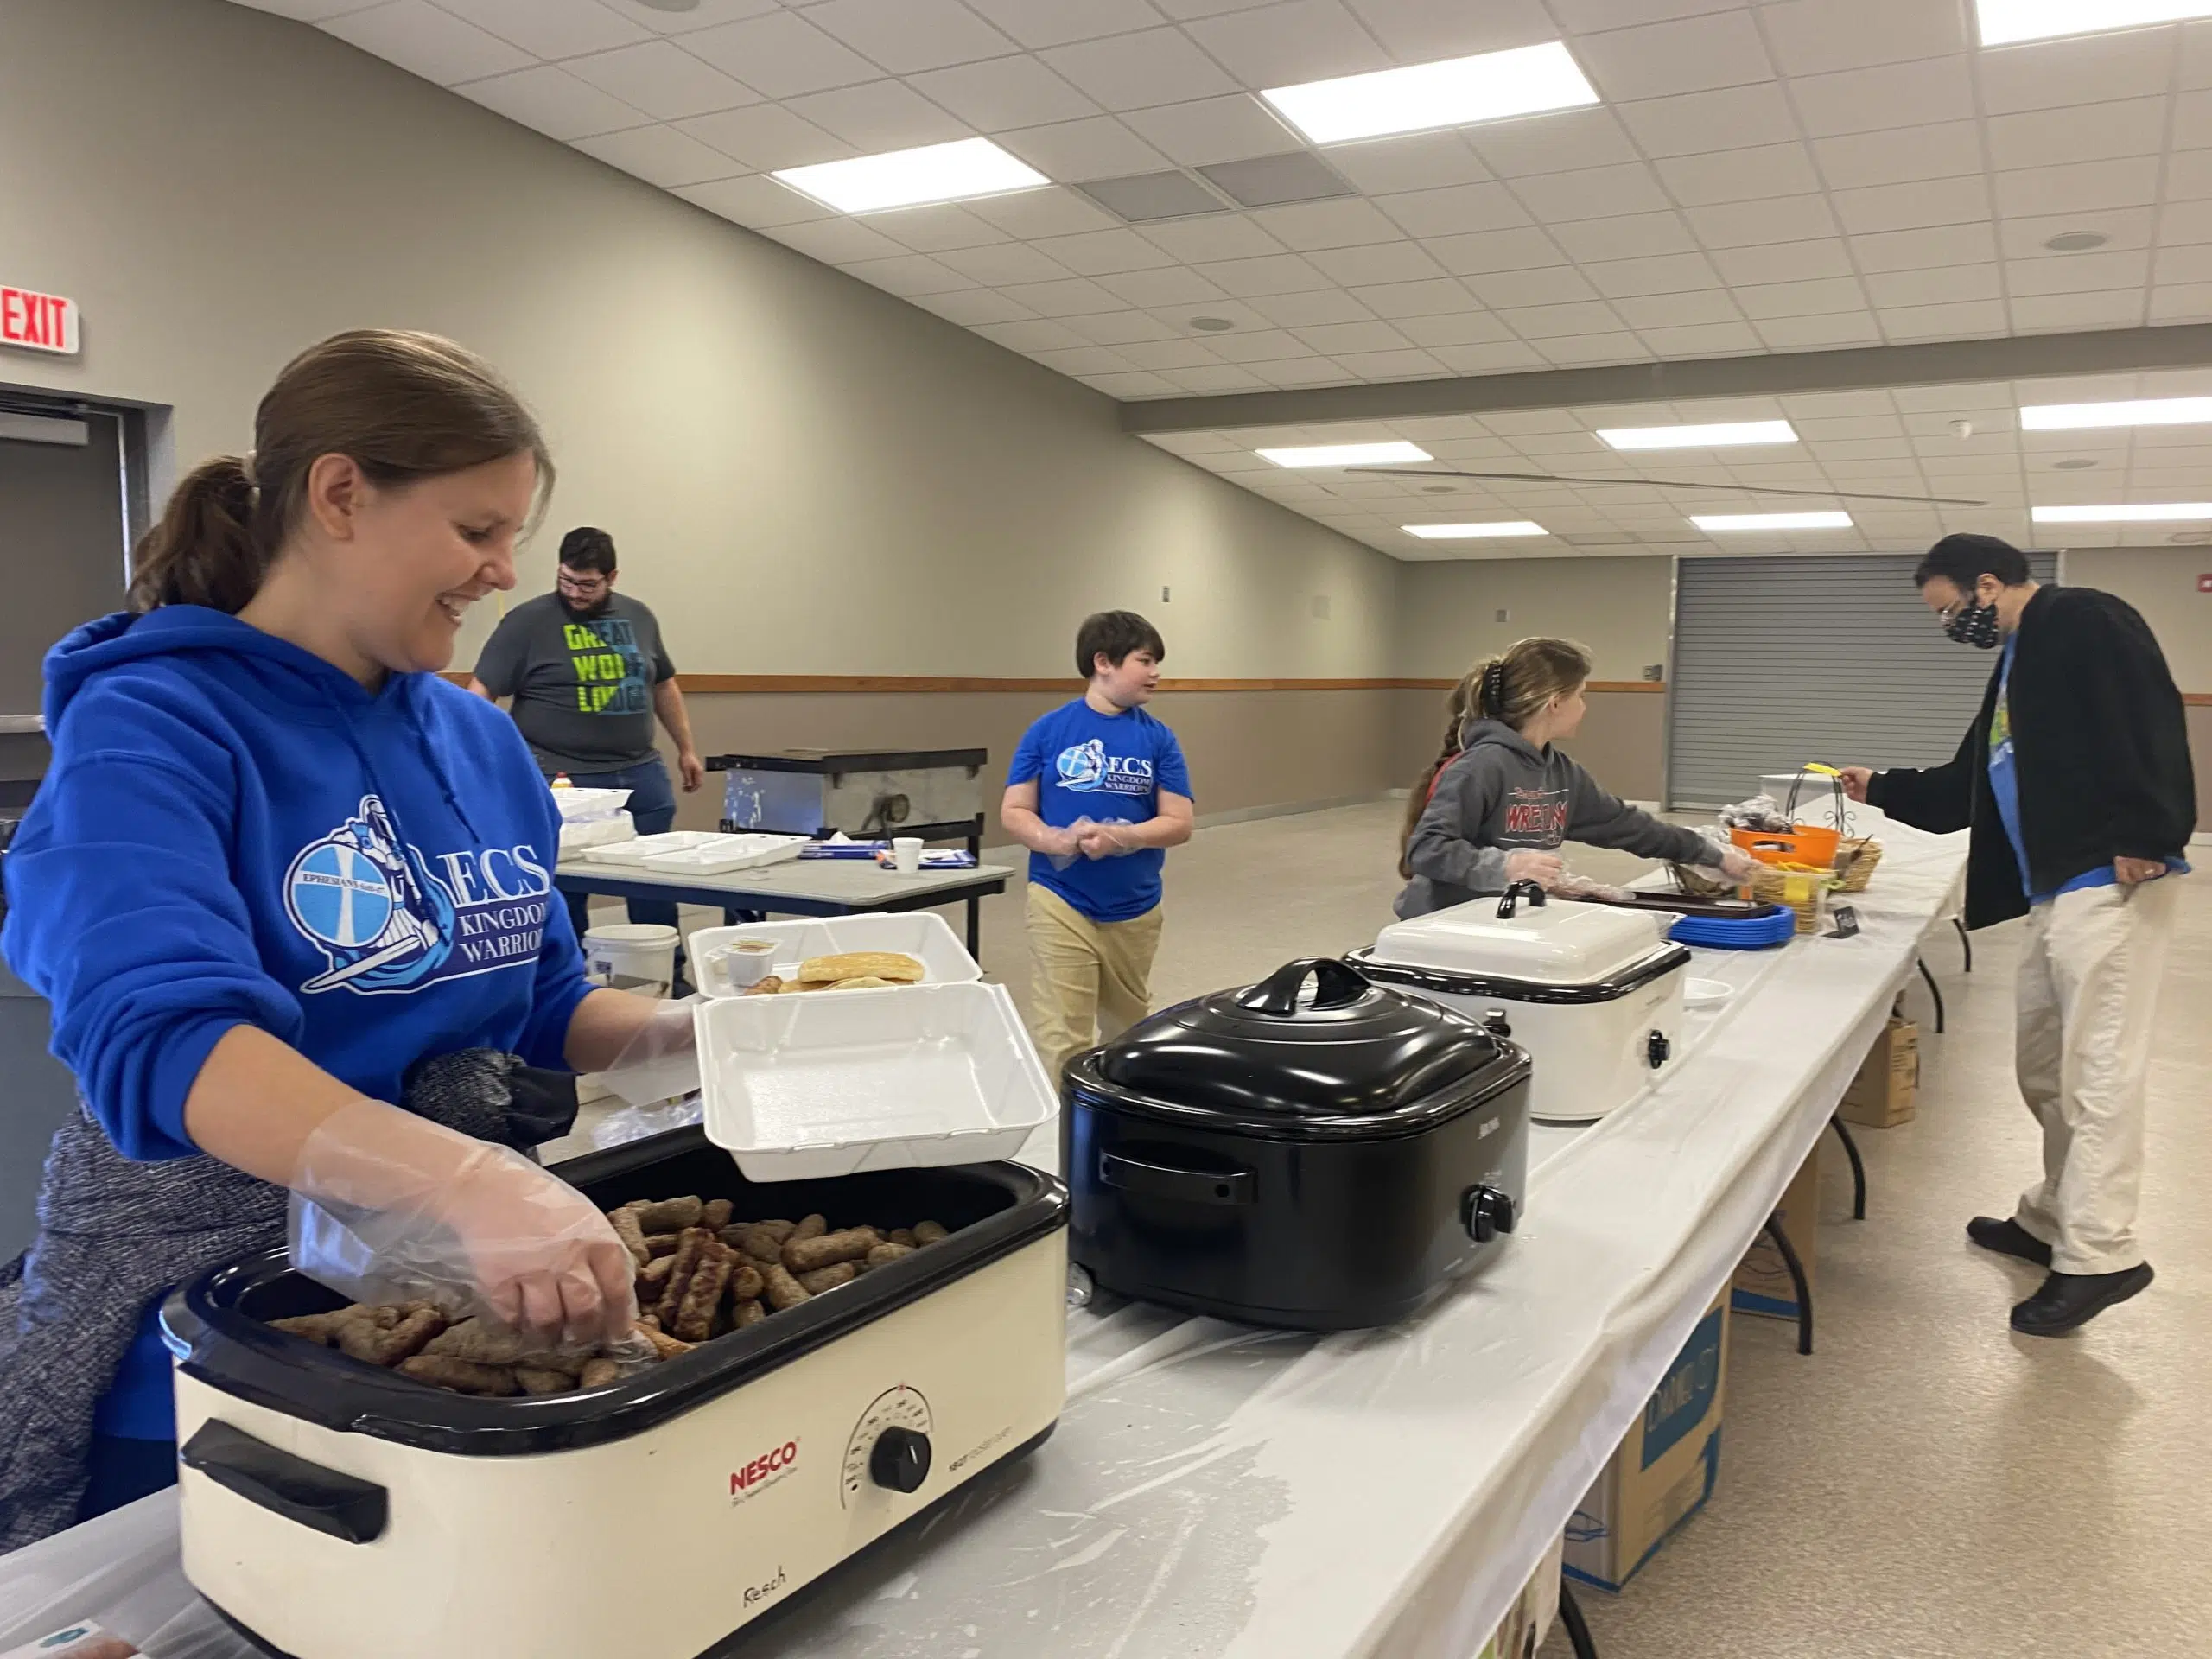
{"x":290,"y":896}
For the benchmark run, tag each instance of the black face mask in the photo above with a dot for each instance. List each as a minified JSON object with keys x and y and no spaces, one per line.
{"x":1973,"y":624}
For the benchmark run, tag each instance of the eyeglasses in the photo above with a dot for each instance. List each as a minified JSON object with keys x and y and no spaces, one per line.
{"x":583,"y":588}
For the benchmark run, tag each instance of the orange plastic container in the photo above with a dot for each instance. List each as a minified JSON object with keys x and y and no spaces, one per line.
{"x":1805,"y":843}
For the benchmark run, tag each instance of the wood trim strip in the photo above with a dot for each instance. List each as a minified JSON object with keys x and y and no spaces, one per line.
{"x":833,"y":684}
{"x":2198,"y":699}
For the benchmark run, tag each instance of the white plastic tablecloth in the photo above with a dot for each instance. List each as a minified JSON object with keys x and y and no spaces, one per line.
{"x":1214,"y":1490}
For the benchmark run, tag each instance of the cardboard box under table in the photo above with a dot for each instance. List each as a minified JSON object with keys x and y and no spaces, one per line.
{"x":1762,"y":1283}
{"x":1886,"y":1091}
{"x":1663,"y":1470}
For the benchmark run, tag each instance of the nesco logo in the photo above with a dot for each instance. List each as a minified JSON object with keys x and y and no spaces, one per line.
{"x":763,"y":1472}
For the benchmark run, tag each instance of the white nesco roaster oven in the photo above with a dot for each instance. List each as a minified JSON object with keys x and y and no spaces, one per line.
{"x":1594,"y":992}
{"x":332,"y":1510}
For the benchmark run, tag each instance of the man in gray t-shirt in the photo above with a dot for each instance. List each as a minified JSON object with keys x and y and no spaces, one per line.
{"x":589,"y":674}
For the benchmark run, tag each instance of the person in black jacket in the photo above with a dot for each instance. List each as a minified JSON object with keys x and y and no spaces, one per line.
{"x":2075,"y":785}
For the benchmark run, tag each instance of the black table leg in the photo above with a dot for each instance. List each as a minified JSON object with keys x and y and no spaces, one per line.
{"x":1936,"y":991}
{"x":743,"y":918}
{"x":1578,"y":1632}
{"x":1858,"y":1169}
{"x":1965,"y":941}
{"x":1797,"y":1281}
{"x":976,"y":929}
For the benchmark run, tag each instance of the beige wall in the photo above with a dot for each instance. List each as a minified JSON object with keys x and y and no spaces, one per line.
{"x":2161,"y":582}
{"x":806,"y":475}
{"x":1619,"y":607}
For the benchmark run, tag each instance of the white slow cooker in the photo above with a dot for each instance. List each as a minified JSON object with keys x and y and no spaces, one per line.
{"x":1594,"y":992}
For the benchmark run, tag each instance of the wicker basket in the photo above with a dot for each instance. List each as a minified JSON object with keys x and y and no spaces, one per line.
{"x":1696,"y":884}
{"x":1805,"y":891}
{"x":1854,"y":864}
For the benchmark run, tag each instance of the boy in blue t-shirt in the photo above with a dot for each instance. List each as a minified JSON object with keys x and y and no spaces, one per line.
{"x":1098,"y":793}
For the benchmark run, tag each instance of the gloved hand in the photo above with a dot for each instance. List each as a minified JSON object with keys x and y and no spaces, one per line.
{"x":661,"y":1062}
{"x":1066,"y":845}
{"x":1542,"y":868}
{"x":1106,"y":841}
{"x":1737,"y":865}
{"x":389,"y":1207}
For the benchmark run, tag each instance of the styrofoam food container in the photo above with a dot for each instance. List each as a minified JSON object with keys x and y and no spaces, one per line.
{"x":801,"y":1087}
{"x":723,"y":854}
{"x":579,"y":804}
{"x":917,"y":934}
{"x":577,"y":834}
{"x":645,"y":847}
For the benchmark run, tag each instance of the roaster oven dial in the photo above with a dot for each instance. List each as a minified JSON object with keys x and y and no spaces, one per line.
{"x":890,"y":1445}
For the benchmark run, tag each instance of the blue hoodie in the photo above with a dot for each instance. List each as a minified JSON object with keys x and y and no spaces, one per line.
{"x":235,"y":832}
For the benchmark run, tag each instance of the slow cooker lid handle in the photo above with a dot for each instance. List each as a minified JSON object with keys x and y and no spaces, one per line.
{"x":1514,"y":894}
{"x":1336,"y":985}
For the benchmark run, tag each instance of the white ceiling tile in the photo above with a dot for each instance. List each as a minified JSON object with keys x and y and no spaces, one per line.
{"x":1378,"y":262}
{"x":1569,"y":351}
{"x":1218,"y":377}
{"x":2077,"y":187}
{"x":2081,"y":273}
{"x":550,"y":28}
{"x":1660,"y":60}
{"x":1900,"y":155}
{"x":1702,"y":339}
{"x":1408,"y":364}
{"x":2192,"y":126}
{"x":766,"y":137}
{"x":555,"y":102}
{"x":1070,"y":297}
{"x":1306,"y":310}
{"x":2182,"y":302}
{"x":1277,"y":273}
{"x":1423,"y":31}
{"x":707,"y":14}
{"x":937,"y":229}
{"x":1964,"y":320}
{"x":758,"y":202}
{"x":1344,"y":223}
{"x":2183,"y":265}
{"x":308,"y":11}
{"x":1590,"y":15}
{"x":878,"y":115}
{"x":1740,"y":175}
{"x":661,"y":79}
{"x":1421,"y":161}
{"x":1333,"y":339}
{"x":425,"y":41}
{"x":1226,"y":235}
{"x":2181,"y":223}
{"x":1814,"y":37}
{"x":1085,"y":359}
{"x":1135,"y":384}
{"x":1642,"y":311}
{"x":1550,"y":321}
{"x":1937,"y":285}
{"x":1096,"y":253}
{"x":1634,"y":236}
{"x":660,"y":155}
{"x":1303,"y":370}
{"x":1031,"y":335}
{"x":1212,"y":129}
{"x":1439,"y":296}
{"x":1556,"y":143}
{"x":2061,"y":313}
{"x":1119,"y":327}
{"x":1056,"y":212}
{"x":1670,"y":273}
{"x":1484,"y":251}
{"x":1167,"y":353}
{"x":1748,"y":224}
{"x":1056,"y":22}
{"x":970,"y":306}
{"x":1258,"y":346}
{"x":1133,"y":72}
{"x":1002,"y":263}
{"x":907,"y":36}
{"x":1896,"y":95}
{"x":1946,"y":245}
{"x":1725,"y":118}
{"x":782,"y":55}
{"x":1285,"y":44}
{"x":1454,"y":209}
{"x":1784,"y":262}
{"x":836,"y":241}
{"x":909,"y":274}
{"x":1589,"y":193}
{"x":1542,"y":287}
{"x":1172,"y":285}
{"x":1913,"y":206}
{"x":2189,"y":174}
{"x":1004,"y":93}
{"x":2084,"y":69}
{"x":1072,"y":151}
{"x":2084,"y":133}
{"x":1823,"y":294}
{"x":1468,"y":328}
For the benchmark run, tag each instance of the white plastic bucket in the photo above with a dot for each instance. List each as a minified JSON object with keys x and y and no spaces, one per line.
{"x":637,"y":956}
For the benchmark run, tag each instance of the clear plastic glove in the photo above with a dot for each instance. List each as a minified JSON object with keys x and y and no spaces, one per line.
{"x":1543,"y":868}
{"x":1571,"y":886}
{"x":639,"y":1122}
{"x":389,"y":1207}
{"x":1737,"y":865}
{"x":1106,"y":841}
{"x":1067,"y":844}
{"x":662,"y":1061}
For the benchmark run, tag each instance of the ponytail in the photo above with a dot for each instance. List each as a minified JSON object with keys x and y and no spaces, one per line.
{"x":204,"y":550}
{"x":1455,"y":716}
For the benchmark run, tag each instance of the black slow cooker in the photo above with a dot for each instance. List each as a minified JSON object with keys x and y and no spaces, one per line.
{"x":1321,"y":1159}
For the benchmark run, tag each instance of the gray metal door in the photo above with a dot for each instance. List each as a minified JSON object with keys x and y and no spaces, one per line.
{"x":1779,"y":661}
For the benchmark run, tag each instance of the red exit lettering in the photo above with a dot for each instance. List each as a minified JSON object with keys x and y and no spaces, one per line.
{"x":39,"y":322}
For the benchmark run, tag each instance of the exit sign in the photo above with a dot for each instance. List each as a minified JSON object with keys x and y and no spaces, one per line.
{"x":37,"y":322}
{"x":2204,"y":584}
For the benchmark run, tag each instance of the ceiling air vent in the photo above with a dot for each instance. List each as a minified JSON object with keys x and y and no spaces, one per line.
{"x":1141,"y":198}
{"x":1270,"y":181}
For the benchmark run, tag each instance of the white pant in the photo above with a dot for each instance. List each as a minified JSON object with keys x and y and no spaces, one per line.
{"x":2088,"y":986}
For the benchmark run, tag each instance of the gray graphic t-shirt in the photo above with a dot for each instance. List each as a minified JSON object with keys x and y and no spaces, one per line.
{"x":582,"y":689}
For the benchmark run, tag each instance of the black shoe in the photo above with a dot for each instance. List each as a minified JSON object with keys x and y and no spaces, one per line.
{"x":2068,"y":1299}
{"x":2008,"y":1237}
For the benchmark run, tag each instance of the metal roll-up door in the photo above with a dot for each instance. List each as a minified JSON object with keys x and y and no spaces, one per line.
{"x":1779,"y":661}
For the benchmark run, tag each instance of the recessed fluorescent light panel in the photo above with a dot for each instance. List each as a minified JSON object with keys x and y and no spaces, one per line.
{"x":2145,"y":411}
{"x":2004,"y":20}
{"x":2161,"y":512}
{"x":1457,"y":92}
{"x":1772,"y":520}
{"x":908,"y":178}
{"x":1475,"y":532}
{"x":1345,"y":454}
{"x":1724,"y":435}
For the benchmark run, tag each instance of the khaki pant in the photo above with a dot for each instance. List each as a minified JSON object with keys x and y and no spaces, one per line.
{"x":2088,"y":988}
{"x":1090,"y":981}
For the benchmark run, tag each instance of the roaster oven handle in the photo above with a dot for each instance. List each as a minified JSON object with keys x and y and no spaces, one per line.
{"x":1336,"y":985}
{"x":344,"y":1506}
{"x":1515,"y":893}
{"x":1166,"y":1181}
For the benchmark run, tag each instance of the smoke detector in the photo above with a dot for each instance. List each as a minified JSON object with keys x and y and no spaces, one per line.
{"x":2074,"y":464}
{"x":2077,"y":241}
{"x":1962,"y":428}
{"x":1212,"y":324}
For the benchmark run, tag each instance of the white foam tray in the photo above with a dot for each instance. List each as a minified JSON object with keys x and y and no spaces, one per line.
{"x":917,"y":934}
{"x":699,"y":852}
{"x":839,"y":1082}
{"x":578,"y":805}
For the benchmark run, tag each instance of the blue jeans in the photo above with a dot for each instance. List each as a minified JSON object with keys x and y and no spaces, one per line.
{"x":652,"y":804}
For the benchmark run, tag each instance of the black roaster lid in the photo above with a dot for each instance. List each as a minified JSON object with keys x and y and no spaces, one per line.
{"x":1275,"y":1051}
